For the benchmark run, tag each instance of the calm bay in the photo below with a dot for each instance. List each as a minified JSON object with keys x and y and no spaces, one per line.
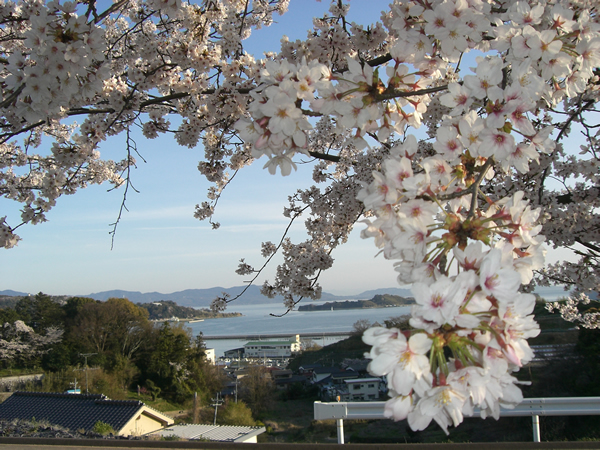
{"x":257,"y":320}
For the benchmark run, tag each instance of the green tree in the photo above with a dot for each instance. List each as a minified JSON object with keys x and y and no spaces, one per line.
{"x":61,"y":355}
{"x":166,"y":366}
{"x":8,"y":315}
{"x":154,"y":389}
{"x":236,"y":414}
{"x":111,"y":328}
{"x":40,"y":312}
{"x":73,"y":307}
{"x":203,"y":377}
{"x":178,"y":366}
{"x":92,"y":327}
{"x":129,"y":328}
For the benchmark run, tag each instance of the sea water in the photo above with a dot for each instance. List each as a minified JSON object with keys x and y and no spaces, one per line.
{"x":261,"y":320}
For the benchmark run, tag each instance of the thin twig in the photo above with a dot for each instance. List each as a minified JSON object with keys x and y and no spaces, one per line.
{"x":130,"y":144}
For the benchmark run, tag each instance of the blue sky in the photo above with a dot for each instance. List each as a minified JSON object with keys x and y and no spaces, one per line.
{"x":159,"y":246}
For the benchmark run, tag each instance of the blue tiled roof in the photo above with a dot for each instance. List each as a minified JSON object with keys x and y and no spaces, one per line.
{"x":72,"y":411}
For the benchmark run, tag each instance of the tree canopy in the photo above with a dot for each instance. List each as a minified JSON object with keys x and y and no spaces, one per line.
{"x":508,"y":160}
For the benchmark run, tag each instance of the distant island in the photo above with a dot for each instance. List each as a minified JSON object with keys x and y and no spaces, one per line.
{"x":168,"y":310}
{"x":379,"y":301}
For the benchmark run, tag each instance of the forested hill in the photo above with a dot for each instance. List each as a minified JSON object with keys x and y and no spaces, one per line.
{"x":379,"y":301}
{"x":167,"y":309}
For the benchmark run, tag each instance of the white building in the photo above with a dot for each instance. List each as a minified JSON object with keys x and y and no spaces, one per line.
{"x":210,"y":355}
{"x":272,"y":349}
{"x":363,"y":388}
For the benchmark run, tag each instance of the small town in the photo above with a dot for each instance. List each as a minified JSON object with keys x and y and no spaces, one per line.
{"x":263,"y":391}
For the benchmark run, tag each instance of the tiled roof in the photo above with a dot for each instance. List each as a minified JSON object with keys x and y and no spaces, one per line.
{"x":332,"y":370}
{"x":219,"y":433}
{"x":72,"y":411}
{"x":292,"y":380}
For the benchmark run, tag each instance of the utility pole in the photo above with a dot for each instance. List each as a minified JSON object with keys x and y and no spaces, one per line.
{"x":85,"y":355}
{"x":217,"y":402}
{"x":196,"y":418}
{"x":236,"y":385}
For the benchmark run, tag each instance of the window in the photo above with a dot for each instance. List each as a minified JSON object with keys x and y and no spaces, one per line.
{"x":371,"y":385}
{"x":356,"y":387}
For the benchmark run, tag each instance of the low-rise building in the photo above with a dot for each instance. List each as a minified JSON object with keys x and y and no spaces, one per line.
{"x":331,"y":375}
{"x":234,"y":353}
{"x":210,"y":355}
{"x":214,"y":433}
{"x":363,"y":389}
{"x":272,"y":349}
{"x":307,"y":369}
{"x":83,"y":411}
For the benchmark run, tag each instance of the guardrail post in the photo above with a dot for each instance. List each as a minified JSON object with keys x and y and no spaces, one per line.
{"x":536,"y":428}
{"x":340,"y":430}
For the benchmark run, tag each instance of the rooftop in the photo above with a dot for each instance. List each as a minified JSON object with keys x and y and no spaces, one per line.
{"x":219,"y":433}
{"x":74,"y":411}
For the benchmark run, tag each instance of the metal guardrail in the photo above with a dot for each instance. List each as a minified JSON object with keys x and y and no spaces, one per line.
{"x":534,"y":407}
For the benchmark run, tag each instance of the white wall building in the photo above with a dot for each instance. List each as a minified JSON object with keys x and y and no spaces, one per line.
{"x":210,"y":355}
{"x":363,"y":388}
{"x":272,"y":349}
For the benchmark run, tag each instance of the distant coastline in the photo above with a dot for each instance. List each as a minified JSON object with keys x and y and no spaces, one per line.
{"x":378,"y":301}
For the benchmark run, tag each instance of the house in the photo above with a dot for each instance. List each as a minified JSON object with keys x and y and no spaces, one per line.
{"x":281,"y":374}
{"x":321,"y":374}
{"x":83,"y":411}
{"x":307,"y":369}
{"x":359,"y":366}
{"x":285,"y":377}
{"x":218,"y":433}
{"x":234,"y":353}
{"x":272,"y":349}
{"x":363,"y":389}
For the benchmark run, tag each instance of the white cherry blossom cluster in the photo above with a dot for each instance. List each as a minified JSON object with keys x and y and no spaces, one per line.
{"x":569,"y":309}
{"x":470,"y":322}
{"x":59,"y":63}
{"x":278,"y":129}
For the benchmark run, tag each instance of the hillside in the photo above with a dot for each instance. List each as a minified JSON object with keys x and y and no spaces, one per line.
{"x":204,"y":297}
{"x":167,"y":309}
{"x":378,"y":301}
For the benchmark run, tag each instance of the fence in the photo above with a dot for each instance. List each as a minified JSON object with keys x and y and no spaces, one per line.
{"x":534,"y":407}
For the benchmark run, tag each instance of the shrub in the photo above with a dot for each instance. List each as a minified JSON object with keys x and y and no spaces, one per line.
{"x":236,"y":414}
{"x":103,"y":428}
